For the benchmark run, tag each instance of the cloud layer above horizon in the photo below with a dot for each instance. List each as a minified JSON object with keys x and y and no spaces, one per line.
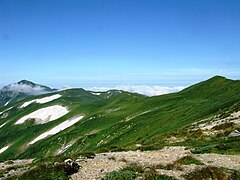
{"x":140,"y":89}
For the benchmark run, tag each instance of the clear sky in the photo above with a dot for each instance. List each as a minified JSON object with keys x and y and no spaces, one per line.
{"x":79,"y":42}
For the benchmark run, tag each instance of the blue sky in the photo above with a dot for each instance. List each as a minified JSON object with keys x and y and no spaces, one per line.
{"x":106,"y":42}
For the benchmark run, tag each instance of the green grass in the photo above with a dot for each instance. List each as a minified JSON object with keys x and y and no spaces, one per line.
{"x":43,"y":172}
{"x":105,"y":127}
{"x":225,"y":126}
{"x":173,"y":166}
{"x":187,"y":160}
{"x":49,"y":168}
{"x":120,"y":175}
{"x":134,"y":167}
{"x":212,"y":173}
{"x":220,"y":145}
{"x":136,"y":171}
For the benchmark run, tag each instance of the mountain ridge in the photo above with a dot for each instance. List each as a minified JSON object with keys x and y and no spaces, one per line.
{"x":112,"y":120}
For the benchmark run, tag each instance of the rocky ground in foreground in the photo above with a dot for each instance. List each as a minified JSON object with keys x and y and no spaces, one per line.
{"x":12,"y":168}
{"x":104,"y":163}
{"x":99,"y":166}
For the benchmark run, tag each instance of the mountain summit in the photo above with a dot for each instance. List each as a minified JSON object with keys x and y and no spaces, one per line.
{"x":22,"y":89}
{"x":213,"y":87}
{"x":33,"y":85}
{"x":26,"y":82}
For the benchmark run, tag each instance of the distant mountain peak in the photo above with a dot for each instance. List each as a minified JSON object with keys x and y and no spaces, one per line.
{"x":26,"y":82}
{"x":212,"y":86}
{"x":20,"y":90}
{"x":218,"y":78}
{"x":217,"y":81}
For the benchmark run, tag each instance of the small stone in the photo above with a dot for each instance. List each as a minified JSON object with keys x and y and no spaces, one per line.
{"x":235,"y":133}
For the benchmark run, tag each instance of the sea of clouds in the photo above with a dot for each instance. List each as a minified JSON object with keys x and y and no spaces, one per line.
{"x":140,"y":89}
{"x":147,"y":90}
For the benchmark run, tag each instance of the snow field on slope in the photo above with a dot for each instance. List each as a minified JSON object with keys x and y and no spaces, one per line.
{"x":4,"y":149}
{"x":64,"y":125}
{"x":5,"y":110}
{"x":42,"y":100}
{"x":3,"y":124}
{"x":45,"y":115}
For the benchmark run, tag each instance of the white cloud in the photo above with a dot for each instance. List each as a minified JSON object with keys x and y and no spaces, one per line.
{"x":24,"y":88}
{"x":141,"y":89}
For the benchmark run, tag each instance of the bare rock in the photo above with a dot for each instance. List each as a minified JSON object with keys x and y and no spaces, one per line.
{"x":235,"y":133}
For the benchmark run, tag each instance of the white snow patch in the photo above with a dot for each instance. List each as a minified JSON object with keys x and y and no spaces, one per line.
{"x":66,"y":147}
{"x":4,"y":149}
{"x":128,"y":118}
{"x":6,"y":103}
{"x":5,"y":110}
{"x":8,"y":109}
{"x":236,"y":114}
{"x":3,"y":124}
{"x":57,"y":129}
{"x":112,"y":110}
{"x":27,"y":103}
{"x":63,"y":149}
{"x":45,"y":115}
{"x":96,"y":93}
{"x":42,"y":100}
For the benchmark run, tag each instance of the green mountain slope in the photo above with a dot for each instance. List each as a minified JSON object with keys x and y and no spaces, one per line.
{"x":112,"y":120}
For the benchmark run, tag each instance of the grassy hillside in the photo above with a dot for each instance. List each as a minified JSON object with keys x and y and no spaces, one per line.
{"x":115,"y":120}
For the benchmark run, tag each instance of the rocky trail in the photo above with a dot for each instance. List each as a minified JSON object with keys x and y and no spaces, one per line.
{"x":97,"y":168}
{"x":14,"y":167}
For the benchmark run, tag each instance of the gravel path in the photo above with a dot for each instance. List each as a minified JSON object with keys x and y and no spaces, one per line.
{"x":218,"y":160}
{"x":97,"y":168}
{"x":22,"y":162}
{"x":17,"y":167}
